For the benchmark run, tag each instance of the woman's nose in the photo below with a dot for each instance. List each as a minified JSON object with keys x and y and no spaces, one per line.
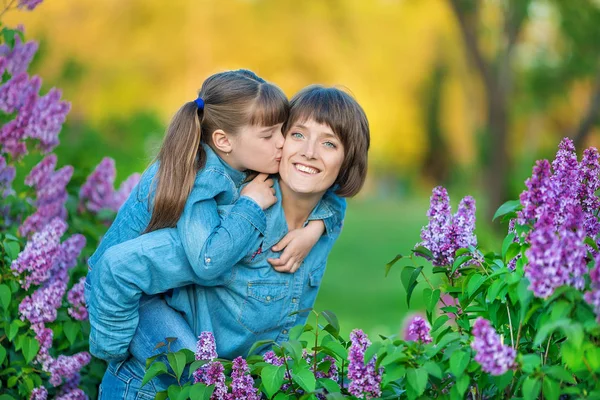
{"x":308,"y":150}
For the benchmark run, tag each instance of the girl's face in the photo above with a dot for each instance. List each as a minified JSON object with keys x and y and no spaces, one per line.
{"x":312,"y":158}
{"x":257,"y":148}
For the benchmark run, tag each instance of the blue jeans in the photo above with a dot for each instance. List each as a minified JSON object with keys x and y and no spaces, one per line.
{"x":123,"y":379}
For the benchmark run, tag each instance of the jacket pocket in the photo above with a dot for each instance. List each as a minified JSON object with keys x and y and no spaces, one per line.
{"x":264,"y":306}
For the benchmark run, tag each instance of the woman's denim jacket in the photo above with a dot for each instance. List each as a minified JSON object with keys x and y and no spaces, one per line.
{"x":218,"y":229}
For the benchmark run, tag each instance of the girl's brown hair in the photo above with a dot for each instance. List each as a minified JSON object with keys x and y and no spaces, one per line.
{"x":232,"y":99}
{"x":342,"y":113}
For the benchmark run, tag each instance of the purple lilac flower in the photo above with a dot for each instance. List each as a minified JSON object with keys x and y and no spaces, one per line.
{"x":495,"y":358}
{"x":242,"y":384}
{"x":47,"y":117}
{"x":7,"y":175}
{"x":51,"y":195}
{"x":97,"y":192}
{"x":29,"y":4}
{"x":206,"y":348}
{"x":77,"y":301}
{"x":125,"y":189}
{"x":43,"y":335}
{"x":366,"y":382}
{"x":39,"y":254}
{"x":556,"y":258}
{"x":592,"y":297}
{"x":67,"y":367}
{"x":418,"y":330}
{"x":19,"y":57}
{"x":446,"y":233}
{"x":42,"y":305}
{"x":39,"y":393}
{"x":565,"y":167}
{"x":271,"y":358}
{"x":212,"y":374}
{"x":539,"y":193}
{"x":70,"y":390}
{"x":589,"y":184}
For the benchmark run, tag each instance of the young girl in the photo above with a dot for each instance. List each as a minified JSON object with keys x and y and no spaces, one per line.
{"x":233,"y":126}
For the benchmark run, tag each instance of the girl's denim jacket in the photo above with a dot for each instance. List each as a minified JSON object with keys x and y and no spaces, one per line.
{"x":219,"y":235}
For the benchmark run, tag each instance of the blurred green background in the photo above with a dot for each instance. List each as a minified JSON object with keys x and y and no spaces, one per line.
{"x":462,"y":93}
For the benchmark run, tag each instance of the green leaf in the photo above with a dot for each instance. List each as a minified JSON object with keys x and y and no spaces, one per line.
{"x":405,"y":276}
{"x":159,"y":345}
{"x":423,"y":252}
{"x":195,"y":365}
{"x":272,"y":378}
{"x":458,"y":362}
{"x":158,"y":368}
{"x":294,"y":348}
{"x":509,"y":206}
{"x":530,"y":362}
{"x":508,"y":240}
{"x":393,"y":372}
{"x":474,"y":283}
{"x":371,"y":351}
{"x":30,"y":349}
{"x":331,"y":318}
{"x":296,"y":332}
{"x":433,"y":369}
{"x":431,"y":297}
{"x":439,"y":322}
{"x":197,"y":391}
{"x":459,"y":261}
{"x":512,"y":252}
{"x":2,"y":354}
{"x":177,"y":362}
{"x":71,"y":330}
{"x":417,"y":379}
{"x":531,"y":388}
{"x":304,"y":310}
{"x":560,"y":373}
{"x":13,"y":329}
{"x":550,"y":389}
{"x":462,"y":384}
{"x":258,"y":344}
{"x":184,"y":393}
{"x":328,"y":384}
{"x":337,"y":348}
{"x":494,"y":289}
{"x":305,"y":378}
{"x":550,"y":327}
{"x":389,"y":265}
{"x":174,"y":391}
{"x":12,"y":249}
{"x":409,"y":277}
{"x":4,"y":296}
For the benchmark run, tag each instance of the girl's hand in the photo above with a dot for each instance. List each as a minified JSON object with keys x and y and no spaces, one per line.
{"x":261,"y":191}
{"x":296,"y":245}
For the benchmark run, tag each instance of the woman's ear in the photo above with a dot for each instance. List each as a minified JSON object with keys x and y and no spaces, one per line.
{"x":221,"y":141}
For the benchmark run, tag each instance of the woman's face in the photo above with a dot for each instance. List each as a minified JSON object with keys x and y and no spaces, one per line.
{"x":258,"y":148}
{"x":312,"y":157}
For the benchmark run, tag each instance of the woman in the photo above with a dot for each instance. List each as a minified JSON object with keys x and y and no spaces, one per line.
{"x":327,"y":138}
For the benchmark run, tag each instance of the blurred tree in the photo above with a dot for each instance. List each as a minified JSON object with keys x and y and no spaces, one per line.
{"x":569,"y":55}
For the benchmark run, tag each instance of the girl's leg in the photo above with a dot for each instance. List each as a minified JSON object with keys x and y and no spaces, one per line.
{"x":157,"y":322}
{"x":123,"y":381}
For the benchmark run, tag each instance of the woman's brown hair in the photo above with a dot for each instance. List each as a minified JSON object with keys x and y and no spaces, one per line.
{"x":342,"y":113}
{"x":232,"y":99}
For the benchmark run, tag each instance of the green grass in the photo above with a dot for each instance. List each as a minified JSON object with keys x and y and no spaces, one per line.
{"x":355,"y":287}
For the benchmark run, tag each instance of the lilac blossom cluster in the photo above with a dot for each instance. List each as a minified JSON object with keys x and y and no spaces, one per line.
{"x":366,"y":381}
{"x":7,"y":176}
{"x":494,"y":357}
{"x":39,"y":393}
{"x":37,"y":117}
{"x":418,"y":330}
{"x":45,"y":261}
{"x":29,"y":4}
{"x":212,"y":373}
{"x":445,"y":233}
{"x":51,"y":190}
{"x":242,"y":384}
{"x":560,"y":203}
{"x":98,"y":191}
{"x":592,"y":297}
{"x":77,"y":307}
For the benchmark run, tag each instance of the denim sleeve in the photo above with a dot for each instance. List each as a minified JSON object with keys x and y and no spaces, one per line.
{"x":214,"y":243}
{"x":337,"y":204}
{"x":152,"y":263}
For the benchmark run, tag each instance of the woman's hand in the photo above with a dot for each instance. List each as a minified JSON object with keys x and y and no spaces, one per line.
{"x":261,"y":191}
{"x":296,"y":245}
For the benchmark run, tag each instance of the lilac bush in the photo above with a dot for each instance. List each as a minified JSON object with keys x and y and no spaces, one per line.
{"x":43,"y":332}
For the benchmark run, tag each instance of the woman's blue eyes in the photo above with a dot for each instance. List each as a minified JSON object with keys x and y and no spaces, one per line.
{"x":298,"y":135}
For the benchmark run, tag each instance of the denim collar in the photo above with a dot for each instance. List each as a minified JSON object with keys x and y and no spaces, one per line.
{"x":214,"y":161}
{"x":276,"y":223}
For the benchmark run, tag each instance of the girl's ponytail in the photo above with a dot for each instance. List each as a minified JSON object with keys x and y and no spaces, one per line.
{"x":180,"y":157}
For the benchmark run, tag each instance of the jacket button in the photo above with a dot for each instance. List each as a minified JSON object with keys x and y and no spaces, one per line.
{"x":207,"y":260}
{"x":268,"y":298}
{"x":284,"y":332}
{"x":294,"y":300}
